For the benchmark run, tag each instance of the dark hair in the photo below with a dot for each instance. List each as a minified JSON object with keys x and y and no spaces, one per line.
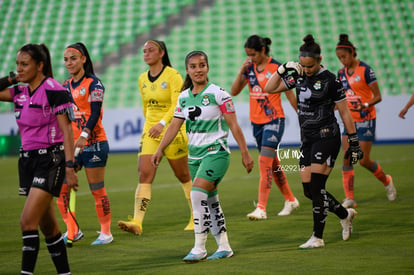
{"x":188,"y":83}
{"x":345,"y":44}
{"x":257,"y":43}
{"x":39,"y":53}
{"x":310,"y":48}
{"x":161,"y":45}
{"x":88,"y":66}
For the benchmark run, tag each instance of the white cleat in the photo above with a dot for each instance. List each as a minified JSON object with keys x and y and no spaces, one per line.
{"x":313,"y":242}
{"x":257,"y":214}
{"x":349,"y":203}
{"x":390,"y":189}
{"x":289,"y":207}
{"x":347,"y":224}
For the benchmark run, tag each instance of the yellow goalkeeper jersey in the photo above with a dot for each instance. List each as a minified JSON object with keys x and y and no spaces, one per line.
{"x":159,"y":95}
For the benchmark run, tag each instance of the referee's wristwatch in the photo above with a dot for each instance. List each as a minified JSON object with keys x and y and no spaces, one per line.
{"x":70,"y":164}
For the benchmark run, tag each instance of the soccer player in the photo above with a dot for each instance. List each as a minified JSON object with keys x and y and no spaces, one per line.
{"x":362,"y":92}
{"x":406,"y":107}
{"x":42,"y":109}
{"x":318,"y":92}
{"x":159,"y":87}
{"x":90,"y":139}
{"x":208,"y":112}
{"x":268,"y":121}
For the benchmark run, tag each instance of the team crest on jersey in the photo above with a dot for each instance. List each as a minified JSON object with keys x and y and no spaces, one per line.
{"x":164,"y":85}
{"x":205,"y":101}
{"x":317,"y":85}
{"x":357,"y":78}
{"x":82,"y":91}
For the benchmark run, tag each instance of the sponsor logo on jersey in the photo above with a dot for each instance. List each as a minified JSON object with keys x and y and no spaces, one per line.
{"x":21,"y":98}
{"x":97,"y":95}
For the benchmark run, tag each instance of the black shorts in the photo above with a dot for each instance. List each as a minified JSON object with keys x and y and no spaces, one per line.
{"x":320,"y":150}
{"x":43,"y":168}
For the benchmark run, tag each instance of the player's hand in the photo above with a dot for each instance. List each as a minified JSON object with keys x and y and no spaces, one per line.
{"x":402,"y":113}
{"x":71,"y":178}
{"x":246,"y":64}
{"x":290,"y":66}
{"x":155,"y":130}
{"x":354,"y":152}
{"x":156,"y":158}
{"x":248,"y":162}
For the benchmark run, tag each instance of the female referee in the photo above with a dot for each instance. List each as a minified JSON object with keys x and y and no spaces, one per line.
{"x":90,"y":140}
{"x":362,"y":92}
{"x":159,"y":87}
{"x":268,"y":121}
{"x":318,"y":92}
{"x":208,"y":112}
{"x":43,"y":111}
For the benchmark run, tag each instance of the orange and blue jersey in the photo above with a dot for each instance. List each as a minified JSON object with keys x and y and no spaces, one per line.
{"x":357,"y":88}
{"x":87,"y":91}
{"x":264,"y":107}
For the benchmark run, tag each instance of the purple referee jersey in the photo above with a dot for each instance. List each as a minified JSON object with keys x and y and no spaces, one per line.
{"x":36,"y":112}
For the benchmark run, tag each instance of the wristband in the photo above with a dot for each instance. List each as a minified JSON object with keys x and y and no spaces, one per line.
{"x":70,"y":164}
{"x":84,"y":134}
{"x":162,"y":122}
{"x":366,"y":104}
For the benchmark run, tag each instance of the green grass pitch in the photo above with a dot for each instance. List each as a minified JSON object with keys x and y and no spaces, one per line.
{"x":382,"y":241}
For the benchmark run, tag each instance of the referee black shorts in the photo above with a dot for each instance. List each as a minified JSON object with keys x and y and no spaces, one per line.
{"x":42,"y":168}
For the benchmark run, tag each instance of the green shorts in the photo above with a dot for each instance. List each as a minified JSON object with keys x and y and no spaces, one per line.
{"x":211,"y":167}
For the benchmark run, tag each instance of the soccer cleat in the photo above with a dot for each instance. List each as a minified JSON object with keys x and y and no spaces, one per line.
{"x":220,"y":255}
{"x":79,"y":236}
{"x":313,"y":242}
{"x":349,"y":203}
{"x":132,"y":226}
{"x":257,"y":214}
{"x":103,"y":239}
{"x":195,"y":257}
{"x":390,"y":189}
{"x":347,"y":224}
{"x":289,"y":207}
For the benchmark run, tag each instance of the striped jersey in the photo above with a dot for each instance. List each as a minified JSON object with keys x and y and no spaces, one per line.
{"x":357,"y":86}
{"x":206,"y":128}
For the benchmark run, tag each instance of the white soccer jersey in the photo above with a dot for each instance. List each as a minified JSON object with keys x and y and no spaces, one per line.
{"x":206,"y":127}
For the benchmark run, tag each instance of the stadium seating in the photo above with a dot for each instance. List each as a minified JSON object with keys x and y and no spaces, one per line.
{"x":382,"y":31}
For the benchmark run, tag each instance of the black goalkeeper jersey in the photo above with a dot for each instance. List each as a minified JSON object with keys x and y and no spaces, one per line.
{"x":316,"y":97}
